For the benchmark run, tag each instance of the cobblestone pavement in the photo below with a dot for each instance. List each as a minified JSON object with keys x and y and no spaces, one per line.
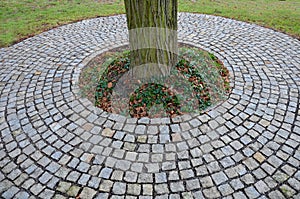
{"x":57,"y":144}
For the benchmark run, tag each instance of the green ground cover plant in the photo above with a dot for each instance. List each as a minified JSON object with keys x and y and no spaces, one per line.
{"x":197,"y":81}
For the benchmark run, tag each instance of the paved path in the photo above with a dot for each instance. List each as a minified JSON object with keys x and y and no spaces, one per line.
{"x":56,"y":144}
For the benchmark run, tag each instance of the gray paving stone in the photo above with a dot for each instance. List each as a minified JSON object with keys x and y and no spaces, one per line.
{"x":177,"y":186}
{"x":227,"y":162}
{"x":45,"y":178}
{"x":168,"y":166}
{"x":140,"y":129}
{"x":106,"y":186}
{"x":288,"y":191}
{"x":144,"y":120}
{"x":14,"y":174}
{"x":143,"y":157}
{"x":251,"y":192}
{"x":225,"y":189}
{"x":173,"y":175}
{"x":119,"y":188}
{"x":211,"y":193}
{"x":213,"y":167}
{"x":259,"y":173}
{"x":196,"y":152}
{"x":148,"y":189}
{"x":161,"y":188}
{"x":198,"y":194}
{"x":130,"y":176}
{"x":157,"y":148}
{"x":73,"y":191}
{"x":294,"y":183}
{"x":20,"y":180}
{"x":87,"y":193}
{"x":175,"y":128}
{"x":183,"y":155}
{"x":94,"y":182}
{"x":201,"y":170}
{"x":145,"y":178}
{"x":186,"y":174}
{"x":36,"y":189}
{"x":28,"y":183}
{"x":251,"y":163}
{"x":164,"y":129}
{"x":261,"y":187}
{"x":248,"y":179}
{"x":22,"y":194}
{"x":105,"y":173}
{"x":47,"y":193}
{"x":195,"y":122}
{"x":268,"y":168}
{"x":134,"y":189}
{"x":160,"y":177}
{"x":280,"y":176}
{"x":184,"y":165}
{"x":270,"y":182}
{"x":53,"y":167}
{"x":84,"y":178}
{"x":276,"y":194}
{"x":129,"y":128}
{"x":164,"y":138}
{"x":63,"y":186}
{"x":219,"y":178}
{"x":10,"y":192}
{"x":206,"y":182}
{"x":275,"y":161}
{"x":174,"y":196}
{"x":110,"y":162}
{"x":237,"y":184}
{"x":239,"y":195}
{"x":137,"y":167}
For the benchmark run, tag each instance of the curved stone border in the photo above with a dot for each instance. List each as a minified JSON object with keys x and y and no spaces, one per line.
{"x":54,"y":143}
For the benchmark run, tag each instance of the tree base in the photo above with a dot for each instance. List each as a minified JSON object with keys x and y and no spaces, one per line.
{"x":196,"y":82}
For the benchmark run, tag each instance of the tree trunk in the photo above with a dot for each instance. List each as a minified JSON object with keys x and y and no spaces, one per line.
{"x":152,"y":26}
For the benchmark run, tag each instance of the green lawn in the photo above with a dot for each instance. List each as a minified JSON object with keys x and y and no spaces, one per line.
{"x":23,"y":18}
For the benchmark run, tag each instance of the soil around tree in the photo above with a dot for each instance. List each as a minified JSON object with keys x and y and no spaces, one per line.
{"x":198,"y":81}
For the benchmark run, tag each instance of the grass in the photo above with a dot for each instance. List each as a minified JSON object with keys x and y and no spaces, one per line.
{"x":20,"y":19}
{"x":24,"y":18}
{"x":282,"y":15}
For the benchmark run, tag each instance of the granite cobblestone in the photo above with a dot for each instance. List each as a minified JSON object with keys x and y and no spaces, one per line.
{"x":53,"y":141}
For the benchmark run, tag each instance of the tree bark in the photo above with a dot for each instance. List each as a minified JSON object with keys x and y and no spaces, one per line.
{"x":152,"y":26}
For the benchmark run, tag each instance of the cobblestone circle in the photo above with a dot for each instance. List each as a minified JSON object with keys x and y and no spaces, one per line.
{"x":56,"y":144}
